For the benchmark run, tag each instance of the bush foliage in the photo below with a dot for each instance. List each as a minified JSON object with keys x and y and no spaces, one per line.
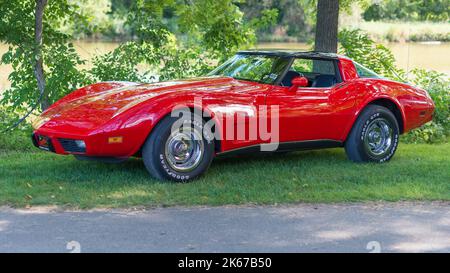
{"x":412,"y":10}
{"x":207,"y":32}
{"x":162,"y":50}
{"x":60,"y":59}
{"x":358,"y":46}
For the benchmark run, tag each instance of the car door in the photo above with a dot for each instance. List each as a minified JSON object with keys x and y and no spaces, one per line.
{"x":312,"y":113}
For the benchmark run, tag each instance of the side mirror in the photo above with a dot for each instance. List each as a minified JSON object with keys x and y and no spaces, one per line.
{"x":298,"y":82}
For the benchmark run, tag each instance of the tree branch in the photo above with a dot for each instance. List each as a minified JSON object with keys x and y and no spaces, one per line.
{"x":39,"y":64}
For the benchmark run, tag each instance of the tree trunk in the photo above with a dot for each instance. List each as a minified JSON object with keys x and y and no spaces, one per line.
{"x":327,"y":25}
{"x":39,"y":62}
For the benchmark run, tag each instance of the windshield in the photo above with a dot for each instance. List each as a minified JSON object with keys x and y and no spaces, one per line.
{"x":257,"y":68}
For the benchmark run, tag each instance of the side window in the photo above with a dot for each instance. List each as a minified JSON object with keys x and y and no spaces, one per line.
{"x":365,"y":72}
{"x":321,"y":73}
{"x":313,"y":66}
{"x":302,"y":65}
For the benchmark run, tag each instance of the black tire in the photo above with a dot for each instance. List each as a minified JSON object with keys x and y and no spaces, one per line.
{"x":156,"y":155}
{"x":374,"y":136}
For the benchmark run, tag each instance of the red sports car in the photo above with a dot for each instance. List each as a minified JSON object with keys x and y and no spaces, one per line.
{"x":258,"y":101}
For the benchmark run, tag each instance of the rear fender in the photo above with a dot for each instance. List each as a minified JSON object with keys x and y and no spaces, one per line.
{"x":365,"y":103}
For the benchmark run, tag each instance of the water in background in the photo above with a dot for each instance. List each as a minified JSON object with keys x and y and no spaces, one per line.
{"x":427,"y":55}
{"x":435,"y":56}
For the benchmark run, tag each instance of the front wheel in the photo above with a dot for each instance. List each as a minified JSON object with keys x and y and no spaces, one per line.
{"x":374,"y":136}
{"x":178,"y":153}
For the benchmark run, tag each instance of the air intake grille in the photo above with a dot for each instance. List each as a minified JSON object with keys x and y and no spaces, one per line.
{"x":71,"y":146}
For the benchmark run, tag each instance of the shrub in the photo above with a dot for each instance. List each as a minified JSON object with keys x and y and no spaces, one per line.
{"x":17,"y":139}
{"x":420,"y":37}
{"x":438,"y":86}
{"x":357,"y":45}
{"x":417,"y":10}
{"x":431,"y":132}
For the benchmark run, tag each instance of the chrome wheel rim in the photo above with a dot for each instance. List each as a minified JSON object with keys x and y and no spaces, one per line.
{"x":378,"y":137}
{"x":184,"y":150}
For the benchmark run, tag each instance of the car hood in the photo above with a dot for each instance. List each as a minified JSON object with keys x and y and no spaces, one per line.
{"x":89,"y":110}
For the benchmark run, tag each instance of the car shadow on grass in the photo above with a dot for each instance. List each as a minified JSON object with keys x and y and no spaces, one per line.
{"x":325,"y":156}
{"x":134,"y":171}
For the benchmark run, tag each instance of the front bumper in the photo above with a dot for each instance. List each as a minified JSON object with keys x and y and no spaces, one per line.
{"x":98,"y":145}
{"x":58,"y":145}
{"x":38,"y":143}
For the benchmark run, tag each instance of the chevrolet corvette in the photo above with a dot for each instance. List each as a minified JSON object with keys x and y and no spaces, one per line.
{"x":258,"y":101}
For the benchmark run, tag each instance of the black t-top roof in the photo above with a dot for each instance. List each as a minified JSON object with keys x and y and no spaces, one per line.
{"x":291,"y":53}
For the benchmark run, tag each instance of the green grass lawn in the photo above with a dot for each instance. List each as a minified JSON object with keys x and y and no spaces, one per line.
{"x":417,"y":172}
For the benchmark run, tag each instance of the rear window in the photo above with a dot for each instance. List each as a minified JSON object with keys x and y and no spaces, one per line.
{"x":365,"y":72}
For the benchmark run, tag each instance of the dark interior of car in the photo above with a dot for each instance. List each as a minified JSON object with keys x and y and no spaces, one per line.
{"x":320,"y":73}
{"x":314,"y":79}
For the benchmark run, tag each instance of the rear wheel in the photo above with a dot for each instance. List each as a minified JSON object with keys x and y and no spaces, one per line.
{"x":374,"y":136}
{"x":178,"y":154}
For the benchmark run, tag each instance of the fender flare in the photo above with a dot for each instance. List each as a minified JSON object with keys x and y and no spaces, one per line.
{"x":369,"y":101}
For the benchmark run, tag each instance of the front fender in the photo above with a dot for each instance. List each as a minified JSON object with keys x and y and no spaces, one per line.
{"x":136,"y":124}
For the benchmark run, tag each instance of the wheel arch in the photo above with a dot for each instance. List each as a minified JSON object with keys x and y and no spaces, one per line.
{"x":394,"y":107}
{"x":193,"y":108}
{"x":387,"y":102}
{"x":210,"y":116}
